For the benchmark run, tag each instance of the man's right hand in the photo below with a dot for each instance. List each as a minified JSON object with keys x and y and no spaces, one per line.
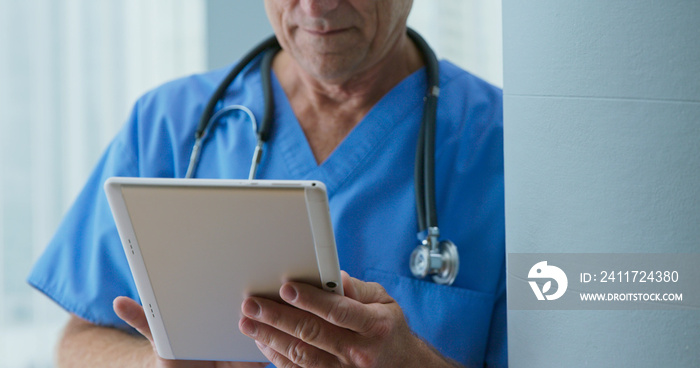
{"x":132,"y":313}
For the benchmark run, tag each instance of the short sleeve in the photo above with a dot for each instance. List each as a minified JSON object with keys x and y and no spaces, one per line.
{"x":84,"y":266}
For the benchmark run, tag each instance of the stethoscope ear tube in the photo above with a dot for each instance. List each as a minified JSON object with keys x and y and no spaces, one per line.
{"x":262,"y":132}
{"x":266,"y":79}
{"x":223,"y":86}
{"x":425,"y":150}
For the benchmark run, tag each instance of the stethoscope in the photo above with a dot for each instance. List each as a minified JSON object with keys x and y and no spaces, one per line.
{"x":433,"y":257}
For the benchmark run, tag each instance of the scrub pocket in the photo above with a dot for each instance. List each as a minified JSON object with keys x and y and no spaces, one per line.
{"x":454,"y":320}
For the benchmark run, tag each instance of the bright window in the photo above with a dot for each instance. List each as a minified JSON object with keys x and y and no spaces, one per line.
{"x":466,"y":32}
{"x":69,"y":72}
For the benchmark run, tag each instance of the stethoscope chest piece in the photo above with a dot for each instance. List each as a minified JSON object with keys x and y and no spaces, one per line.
{"x":441,"y":262}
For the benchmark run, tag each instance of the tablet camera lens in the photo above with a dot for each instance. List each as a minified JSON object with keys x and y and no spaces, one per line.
{"x":331,"y":284}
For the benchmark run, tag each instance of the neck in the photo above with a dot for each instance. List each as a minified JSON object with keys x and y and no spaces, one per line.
{"x":329,"y":108}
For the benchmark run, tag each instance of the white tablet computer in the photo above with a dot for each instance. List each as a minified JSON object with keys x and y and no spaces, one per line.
{"x":198,"y":247}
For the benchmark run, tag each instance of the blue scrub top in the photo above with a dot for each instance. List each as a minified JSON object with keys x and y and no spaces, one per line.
{"x":369,"y":178}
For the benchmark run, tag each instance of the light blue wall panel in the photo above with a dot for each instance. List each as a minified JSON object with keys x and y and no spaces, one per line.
{"x":602,"y":155}
{"x":601,"y":175}
{"x":624,"y":339}
{"x":633,"y":49}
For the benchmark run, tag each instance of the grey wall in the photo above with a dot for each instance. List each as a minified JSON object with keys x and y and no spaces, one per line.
{"x":602,"y":154}
{"x":233,"y":27}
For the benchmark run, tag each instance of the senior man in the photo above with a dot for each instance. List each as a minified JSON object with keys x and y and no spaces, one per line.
{"x":348,"y":89}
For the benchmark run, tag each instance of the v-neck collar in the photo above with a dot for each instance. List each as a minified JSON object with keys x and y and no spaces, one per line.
{"x":403,"y":103}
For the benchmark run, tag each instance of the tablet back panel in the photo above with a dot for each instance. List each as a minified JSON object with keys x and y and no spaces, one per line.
{"x":201,"y":249}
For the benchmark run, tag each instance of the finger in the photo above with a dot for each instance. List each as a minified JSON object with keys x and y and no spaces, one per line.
{"x":338,"y":310}
{"x":299,"y":324}
{"x":364,"y":292}
{"x":277,"y":359}
{"x":132,"y":313}
{"x":291,"y":349}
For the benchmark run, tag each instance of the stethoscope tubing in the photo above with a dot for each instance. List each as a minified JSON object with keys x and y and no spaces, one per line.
{"x":425,"y":152}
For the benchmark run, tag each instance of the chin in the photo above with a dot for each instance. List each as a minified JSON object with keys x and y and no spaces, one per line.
{"x":333,"y":68}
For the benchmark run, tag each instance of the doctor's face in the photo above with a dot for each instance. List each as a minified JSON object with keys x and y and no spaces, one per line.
{"x":337,"y":39}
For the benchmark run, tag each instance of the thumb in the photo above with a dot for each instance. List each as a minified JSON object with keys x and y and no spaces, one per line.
{"x":364,"y":292}
{"x":132,"y":313}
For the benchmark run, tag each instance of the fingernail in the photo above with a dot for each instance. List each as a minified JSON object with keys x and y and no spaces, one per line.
{"x":288,"y":293}
{"x":251,"y":308}
{"x":260,"y":345}
{"x":248,"y":327}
